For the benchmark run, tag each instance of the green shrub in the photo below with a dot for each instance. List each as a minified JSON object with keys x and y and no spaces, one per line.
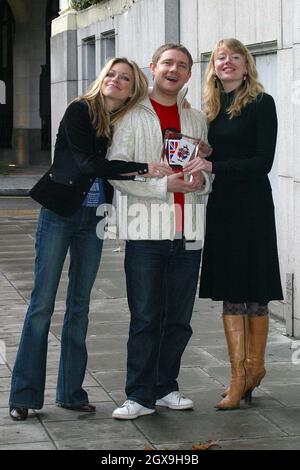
{"x":82,"y":4}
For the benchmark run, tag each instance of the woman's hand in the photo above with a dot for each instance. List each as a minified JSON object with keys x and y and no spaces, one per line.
{"x":197,"y":164}
{"x":158,"y":170}
{"x":204,"y":150}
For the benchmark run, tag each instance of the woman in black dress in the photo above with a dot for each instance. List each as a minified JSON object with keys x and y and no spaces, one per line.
{"x":240,"y":260}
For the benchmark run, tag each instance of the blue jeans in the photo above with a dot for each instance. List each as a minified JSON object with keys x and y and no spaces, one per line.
{"x":54,"y":236}
{"x":161,"y":281}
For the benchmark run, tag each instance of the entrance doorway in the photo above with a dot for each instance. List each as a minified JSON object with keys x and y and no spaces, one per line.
{"x":6,"y":74}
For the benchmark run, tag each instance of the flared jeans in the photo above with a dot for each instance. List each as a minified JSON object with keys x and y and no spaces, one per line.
{"x":56,"y":235}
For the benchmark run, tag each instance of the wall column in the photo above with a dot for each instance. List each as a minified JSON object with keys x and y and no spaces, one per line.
{"x":64,"y":5}
{"x":172,"y":21}
{"x":64,"y":77}
{"x":295,"y":96}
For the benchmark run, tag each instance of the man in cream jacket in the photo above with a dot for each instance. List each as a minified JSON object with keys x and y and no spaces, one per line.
{"x":162,"y":220}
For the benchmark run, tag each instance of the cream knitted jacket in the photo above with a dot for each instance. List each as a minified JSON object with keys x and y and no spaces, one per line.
{"x":145,"y":210}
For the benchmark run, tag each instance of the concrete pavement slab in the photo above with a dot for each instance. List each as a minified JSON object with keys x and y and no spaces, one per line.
{"x":286,"y":395}
{"x":54,"y":413}
{"x":111,"y":442}
{"x":167,"y":426}
{"x":41,"y":446}
{"x":111,"y":380}
{"x":285,"y":418}
{"x":19,"y":433}
{"x":101,"y":430}
{"x":282,"y":443}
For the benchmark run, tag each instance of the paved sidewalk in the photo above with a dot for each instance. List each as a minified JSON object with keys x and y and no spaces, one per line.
{"x":271,"y":422}
{"x":18,"y":181}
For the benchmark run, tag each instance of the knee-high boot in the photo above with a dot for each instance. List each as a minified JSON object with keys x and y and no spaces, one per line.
{"x":258,"y":328}
{"x":235,"y":332}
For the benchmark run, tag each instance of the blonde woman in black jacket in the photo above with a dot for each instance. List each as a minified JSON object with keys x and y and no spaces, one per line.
{"x":70,"y":193}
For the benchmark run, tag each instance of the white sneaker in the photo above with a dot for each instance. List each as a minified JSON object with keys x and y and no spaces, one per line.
{"x":175,"y":401}
{"x":131,"y":410}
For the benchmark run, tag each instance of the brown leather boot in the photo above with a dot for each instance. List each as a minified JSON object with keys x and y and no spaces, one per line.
{"x":235,"y":332}
{"x":225,"y":393}
{"x":258,"y":328}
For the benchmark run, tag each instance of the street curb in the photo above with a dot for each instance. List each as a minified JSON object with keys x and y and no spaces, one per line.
{"x":11,"y":213}
{"x":14,"y":192}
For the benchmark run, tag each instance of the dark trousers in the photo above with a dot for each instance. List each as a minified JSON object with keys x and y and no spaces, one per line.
{"x":161,"y":281}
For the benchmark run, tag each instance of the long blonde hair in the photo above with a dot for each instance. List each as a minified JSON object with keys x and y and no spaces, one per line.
{"x":247,"y":92}
{"x":102,"y":119}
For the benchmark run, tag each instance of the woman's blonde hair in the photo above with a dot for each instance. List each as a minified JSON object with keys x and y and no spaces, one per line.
{"x":102,"y":119}
{"x":247,"y":92}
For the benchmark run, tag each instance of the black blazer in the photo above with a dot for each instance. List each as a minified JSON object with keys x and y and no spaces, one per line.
{"x":79,"y":157}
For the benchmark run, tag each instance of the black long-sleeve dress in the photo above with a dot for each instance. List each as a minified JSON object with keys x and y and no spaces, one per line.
{"x":240,"y":259}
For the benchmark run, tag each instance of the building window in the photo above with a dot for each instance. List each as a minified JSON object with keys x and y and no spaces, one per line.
{"x":108,"y":46}
{"x":88,"y":62}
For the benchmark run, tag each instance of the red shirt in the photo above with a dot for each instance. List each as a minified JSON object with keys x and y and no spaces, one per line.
{"x":169,"y":119}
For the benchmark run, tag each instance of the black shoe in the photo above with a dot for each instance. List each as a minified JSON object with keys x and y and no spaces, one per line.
{"x":18,"y":414}
{"x":87,"y":407}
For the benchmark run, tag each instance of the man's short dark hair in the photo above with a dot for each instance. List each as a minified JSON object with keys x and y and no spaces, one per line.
{"x":166,"y":47}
